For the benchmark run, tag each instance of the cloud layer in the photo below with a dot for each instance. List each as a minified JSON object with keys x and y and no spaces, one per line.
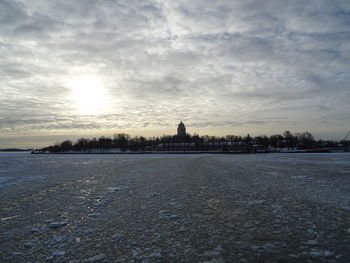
{"x":258,"y":66}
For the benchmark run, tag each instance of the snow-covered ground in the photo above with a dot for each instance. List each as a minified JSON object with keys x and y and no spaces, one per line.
{"x":175,"y":208}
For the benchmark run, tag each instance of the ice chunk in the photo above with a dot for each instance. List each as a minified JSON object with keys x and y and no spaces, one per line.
{"x":117,"y":236}
{"x":58,"y":253}
{"x":256,"y":202}
{"x":96,"y":258}
{"x":57,"y":224}
{"x":117,"y":188}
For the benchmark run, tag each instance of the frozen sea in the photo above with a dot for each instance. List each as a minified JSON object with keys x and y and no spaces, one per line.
{"x":175,"y":208}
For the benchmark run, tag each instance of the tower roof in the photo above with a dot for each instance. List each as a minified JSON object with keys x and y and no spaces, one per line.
{"x":181,"y":124}
{"x":181,"y":129}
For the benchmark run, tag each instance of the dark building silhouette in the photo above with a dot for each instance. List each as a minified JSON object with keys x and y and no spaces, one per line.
{"x":181,"y":130}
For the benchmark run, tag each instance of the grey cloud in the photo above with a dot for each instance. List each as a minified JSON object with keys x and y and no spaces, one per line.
{"x":11,"y":12}
{"x":234,"y":124}
{"x":210,"y":63}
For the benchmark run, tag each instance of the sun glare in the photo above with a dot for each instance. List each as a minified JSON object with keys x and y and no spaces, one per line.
{"x":88,"y":95}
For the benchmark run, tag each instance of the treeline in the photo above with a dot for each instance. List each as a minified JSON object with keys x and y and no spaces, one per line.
{"x":125,"y":142}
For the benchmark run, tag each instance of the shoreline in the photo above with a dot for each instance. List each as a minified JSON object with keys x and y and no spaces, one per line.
{"x":204,"y":152}
{"x":148,"y":152}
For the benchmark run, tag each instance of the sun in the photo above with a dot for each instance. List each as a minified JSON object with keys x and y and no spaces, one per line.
{"x":88,"y":95}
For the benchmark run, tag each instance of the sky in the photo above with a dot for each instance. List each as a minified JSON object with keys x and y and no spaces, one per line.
{"x":86,"y":68}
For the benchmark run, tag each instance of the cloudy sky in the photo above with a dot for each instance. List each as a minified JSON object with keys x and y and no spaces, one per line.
{"x":93,"y":67}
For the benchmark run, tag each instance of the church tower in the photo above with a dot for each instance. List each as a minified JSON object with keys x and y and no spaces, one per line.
{"x":181,"y":130}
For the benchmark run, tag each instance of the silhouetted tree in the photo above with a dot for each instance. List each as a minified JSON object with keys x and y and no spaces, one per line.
{"x":306,"y":140}
{"x":195,"y":142}
{"x":66,"y":145}
{"x":276,"y":140}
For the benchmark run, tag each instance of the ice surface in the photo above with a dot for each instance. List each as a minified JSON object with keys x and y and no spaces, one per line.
{"x":175,"y":208}
{"x":7,"y":181}
{"x":13,"y":180}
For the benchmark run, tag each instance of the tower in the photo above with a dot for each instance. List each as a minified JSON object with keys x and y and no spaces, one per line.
{"x":181,"y":129}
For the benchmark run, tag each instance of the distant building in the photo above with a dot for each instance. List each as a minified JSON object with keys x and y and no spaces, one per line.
{"x":181,"y":130}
